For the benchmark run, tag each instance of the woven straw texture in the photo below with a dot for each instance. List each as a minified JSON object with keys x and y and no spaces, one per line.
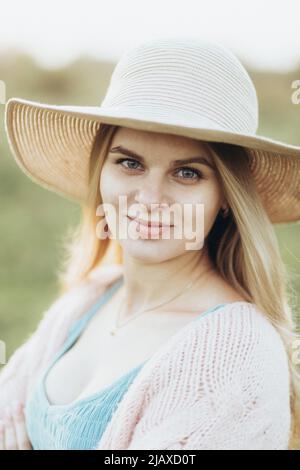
{"x":182,"y":86}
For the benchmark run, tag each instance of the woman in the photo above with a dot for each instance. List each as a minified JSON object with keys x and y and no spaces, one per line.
{"x":215,"y":369}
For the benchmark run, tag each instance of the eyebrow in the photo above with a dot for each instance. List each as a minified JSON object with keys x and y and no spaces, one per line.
{"x":127,"y":152}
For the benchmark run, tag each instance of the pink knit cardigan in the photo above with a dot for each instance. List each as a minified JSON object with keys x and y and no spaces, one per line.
{"x":219,"y":383}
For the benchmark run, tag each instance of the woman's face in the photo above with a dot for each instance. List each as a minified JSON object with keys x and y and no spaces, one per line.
{"x":151,"y":185}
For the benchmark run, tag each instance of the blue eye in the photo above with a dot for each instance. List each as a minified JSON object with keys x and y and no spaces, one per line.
{"x":197,"y":173}
{"x":121,"y":160}
{"x":191,"y":170}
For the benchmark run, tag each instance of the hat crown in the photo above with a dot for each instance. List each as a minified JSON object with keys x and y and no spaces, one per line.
{"x":194,"y":81}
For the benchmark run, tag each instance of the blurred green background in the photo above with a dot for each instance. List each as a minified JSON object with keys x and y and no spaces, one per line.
{"x":34,"y":220}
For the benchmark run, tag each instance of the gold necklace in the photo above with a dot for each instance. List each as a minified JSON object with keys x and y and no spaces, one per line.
{"x":118,"y":325}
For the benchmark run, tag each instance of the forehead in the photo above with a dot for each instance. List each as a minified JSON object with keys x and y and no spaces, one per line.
{"x":149,"y":143}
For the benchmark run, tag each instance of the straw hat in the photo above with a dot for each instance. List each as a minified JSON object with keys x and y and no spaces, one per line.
{"x":184,"y":86}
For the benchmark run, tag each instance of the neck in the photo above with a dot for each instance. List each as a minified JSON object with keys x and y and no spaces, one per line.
{"x":152,"y":284}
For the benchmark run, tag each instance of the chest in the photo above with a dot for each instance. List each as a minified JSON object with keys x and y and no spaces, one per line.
{"x":97,"y":358}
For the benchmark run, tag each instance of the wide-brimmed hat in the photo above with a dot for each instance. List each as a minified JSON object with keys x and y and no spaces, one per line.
{"x":182,"y":86}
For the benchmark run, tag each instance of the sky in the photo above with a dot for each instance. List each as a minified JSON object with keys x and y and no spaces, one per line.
{"x":263,"y":33}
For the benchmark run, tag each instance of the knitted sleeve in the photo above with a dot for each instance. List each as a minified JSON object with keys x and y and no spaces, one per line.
{"x":225,"y":385}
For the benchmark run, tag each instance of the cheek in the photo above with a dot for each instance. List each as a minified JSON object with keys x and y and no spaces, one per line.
{"x":109,"y":186}
{"x":211,"y":209}
{"x":205,"y":207}
{"x":112,"y":184}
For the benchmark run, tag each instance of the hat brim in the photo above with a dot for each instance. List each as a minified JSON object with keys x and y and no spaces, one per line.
{"x":52,"y":145}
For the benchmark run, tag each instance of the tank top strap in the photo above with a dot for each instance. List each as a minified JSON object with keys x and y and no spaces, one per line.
{"x":210,"y":310}
{"x":80,"y":324}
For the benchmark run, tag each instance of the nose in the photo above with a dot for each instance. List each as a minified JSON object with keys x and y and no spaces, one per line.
{"x":151,"y":193}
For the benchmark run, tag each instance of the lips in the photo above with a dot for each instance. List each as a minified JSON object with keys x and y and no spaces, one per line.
{"x":150,"y":224}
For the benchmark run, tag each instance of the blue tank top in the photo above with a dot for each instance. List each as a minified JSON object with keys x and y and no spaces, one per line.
{"x":78,"y":425}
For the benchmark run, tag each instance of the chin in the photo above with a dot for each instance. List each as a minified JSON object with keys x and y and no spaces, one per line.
{"x":151,"y":251}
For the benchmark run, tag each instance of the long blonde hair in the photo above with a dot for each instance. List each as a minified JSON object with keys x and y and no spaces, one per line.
{"x":243,"y":247}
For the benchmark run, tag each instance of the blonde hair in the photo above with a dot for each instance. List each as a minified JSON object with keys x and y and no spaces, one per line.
{"x":247,"y":253}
